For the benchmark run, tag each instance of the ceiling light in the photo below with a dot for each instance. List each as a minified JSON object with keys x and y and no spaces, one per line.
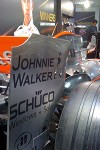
{"x":86,"y":4}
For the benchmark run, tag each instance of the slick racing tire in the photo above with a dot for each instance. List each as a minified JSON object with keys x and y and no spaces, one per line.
{"x":79,"y":126}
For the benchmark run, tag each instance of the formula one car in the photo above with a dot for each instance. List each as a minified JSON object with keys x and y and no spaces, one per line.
{"x":79,"y":123}
{"x":80,"y":106}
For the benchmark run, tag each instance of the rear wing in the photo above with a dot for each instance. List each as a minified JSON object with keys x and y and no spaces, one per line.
{"x":37,"y":80}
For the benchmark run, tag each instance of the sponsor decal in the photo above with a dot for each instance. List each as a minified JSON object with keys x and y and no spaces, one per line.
{"x":7,"y":55}
{"x":23,"y":140}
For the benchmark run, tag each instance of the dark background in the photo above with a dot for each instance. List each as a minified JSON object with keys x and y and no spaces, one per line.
{"x":83,"y":19}
{"x":11,"y":15}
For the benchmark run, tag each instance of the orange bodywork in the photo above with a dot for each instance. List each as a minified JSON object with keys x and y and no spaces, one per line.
{"x":63,"y":33}
{"x":6,"y":44}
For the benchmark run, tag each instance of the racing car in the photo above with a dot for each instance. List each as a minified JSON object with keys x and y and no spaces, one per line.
{"x":80,"y":107}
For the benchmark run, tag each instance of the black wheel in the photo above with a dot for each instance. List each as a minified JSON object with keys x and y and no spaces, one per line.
{"x":79,"y":126}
